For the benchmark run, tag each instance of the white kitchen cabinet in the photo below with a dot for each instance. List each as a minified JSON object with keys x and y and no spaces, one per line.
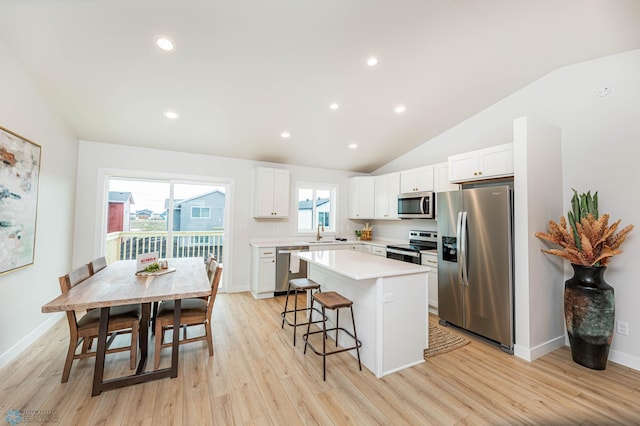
{"x":386,"y":190}
{"x":355,"y":247}
{"x":441,"y":178}
{"x":272,"y":193}
{"x":366,"y":248}
{"x":379,"y":251}
{"x":263,"y":272}
{"x":488,"y":163}
{"x":417,"y":180}
{"x":361,"y":197}
{"x":431,"y":260}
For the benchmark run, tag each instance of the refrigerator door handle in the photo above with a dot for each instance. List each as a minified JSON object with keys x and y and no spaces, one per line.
{"x":458,"y":246}
{"x":463,"y":248}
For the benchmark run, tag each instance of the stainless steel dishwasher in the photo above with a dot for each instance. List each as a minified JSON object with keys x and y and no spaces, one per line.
{"x":284,"y":266}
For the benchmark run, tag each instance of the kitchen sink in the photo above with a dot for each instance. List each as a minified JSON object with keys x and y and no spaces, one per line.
{"x":324,"y":242}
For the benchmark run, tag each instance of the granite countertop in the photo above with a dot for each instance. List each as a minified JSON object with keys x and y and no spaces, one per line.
{"x":361,"y":266}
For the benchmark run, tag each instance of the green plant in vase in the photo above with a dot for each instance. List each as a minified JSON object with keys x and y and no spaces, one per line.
{"x":588,"y":242}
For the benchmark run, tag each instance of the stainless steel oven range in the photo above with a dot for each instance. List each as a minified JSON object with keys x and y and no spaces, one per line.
{"x":419,"y":242}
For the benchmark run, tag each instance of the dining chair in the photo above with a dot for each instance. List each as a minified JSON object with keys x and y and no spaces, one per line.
{"x":97,"y":265}
{"x":193,"y":311}
{"x":122,"y":320}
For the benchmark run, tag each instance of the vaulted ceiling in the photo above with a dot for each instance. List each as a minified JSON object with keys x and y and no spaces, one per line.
{"x":245,"y":71}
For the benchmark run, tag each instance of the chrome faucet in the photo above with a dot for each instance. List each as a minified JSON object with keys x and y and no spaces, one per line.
{"x":318,"y":236}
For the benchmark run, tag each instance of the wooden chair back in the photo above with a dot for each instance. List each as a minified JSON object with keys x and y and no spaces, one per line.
{"x":73,"y":278}
{"x":215,"y":271}
{"x":210,"y":270}
{"x":97,"y":265}
{"x":67,"y":282}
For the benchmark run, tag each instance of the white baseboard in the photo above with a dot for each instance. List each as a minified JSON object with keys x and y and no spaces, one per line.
{"x":16,"y":349}
{"x":529,"y":354}
{"x":550,"y":346}
{"x":625,"y":359}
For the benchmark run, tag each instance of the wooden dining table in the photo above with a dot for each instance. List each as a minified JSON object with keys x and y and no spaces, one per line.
{"x":118,"y":285}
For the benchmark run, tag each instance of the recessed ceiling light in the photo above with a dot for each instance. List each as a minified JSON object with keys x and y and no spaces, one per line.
{"x":399,"y":109}
{"x":334,"y":106}
{"x":372,"y":61}
{"x":171,"y":115}
{"x":165,"y":44}
{"x":285,"y":135}
{"x":353,"y":145}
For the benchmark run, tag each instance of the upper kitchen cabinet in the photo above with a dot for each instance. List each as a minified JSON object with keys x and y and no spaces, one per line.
{"x":361,"y":196}
{"x":386,"y":190}
{"x":272,"y":193}
{"x":417,"y":180}
{"x":488,"y":163}
{"x":441,"y":178}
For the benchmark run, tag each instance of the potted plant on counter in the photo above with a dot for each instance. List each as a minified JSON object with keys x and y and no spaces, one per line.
{"x":588,"y":242}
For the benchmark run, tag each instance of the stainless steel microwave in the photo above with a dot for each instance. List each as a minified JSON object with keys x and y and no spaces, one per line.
{"x":417,"y":205}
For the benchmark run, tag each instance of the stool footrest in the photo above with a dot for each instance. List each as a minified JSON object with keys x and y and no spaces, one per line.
{"x":283,"y":315}
{"x":305,"y":337}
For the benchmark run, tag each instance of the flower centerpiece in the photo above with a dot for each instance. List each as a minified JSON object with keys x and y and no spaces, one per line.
{"x":588,"y":242}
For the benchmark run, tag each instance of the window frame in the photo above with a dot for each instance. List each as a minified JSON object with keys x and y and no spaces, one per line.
{"x":332,"y":228}
{"x":201,"y":208}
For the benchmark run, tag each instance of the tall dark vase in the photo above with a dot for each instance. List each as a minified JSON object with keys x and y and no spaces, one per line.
{"x":589,"y":311}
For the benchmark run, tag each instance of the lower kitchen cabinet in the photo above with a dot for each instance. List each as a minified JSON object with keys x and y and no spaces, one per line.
{"x":431,"y":260}
{"x":378,"y":250}
{"x":263,"y":271}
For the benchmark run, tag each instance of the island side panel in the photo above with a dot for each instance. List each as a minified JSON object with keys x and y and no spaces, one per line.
{"x":405,"y":317}
{"x":365,"y":309}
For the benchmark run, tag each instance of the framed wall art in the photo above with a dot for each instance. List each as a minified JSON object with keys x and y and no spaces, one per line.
{"x":19,"y":176}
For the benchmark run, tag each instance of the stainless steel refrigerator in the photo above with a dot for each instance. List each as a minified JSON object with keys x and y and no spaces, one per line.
{"x":475,"y":261}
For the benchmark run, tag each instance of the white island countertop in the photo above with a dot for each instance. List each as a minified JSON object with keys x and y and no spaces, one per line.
{"x":361,"y":266}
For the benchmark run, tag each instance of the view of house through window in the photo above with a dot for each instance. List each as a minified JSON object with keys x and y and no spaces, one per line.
{"x":174,"y":219}
{"x":316,"y":206}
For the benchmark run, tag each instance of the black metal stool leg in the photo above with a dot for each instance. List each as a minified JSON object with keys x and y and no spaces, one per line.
{"x":286,"y":302}
{"x":295,"y":314}
{"x":324,"y":345}
{"x":355,"y":335}
{"x":306,"y":335}
{"x":337,"y":325}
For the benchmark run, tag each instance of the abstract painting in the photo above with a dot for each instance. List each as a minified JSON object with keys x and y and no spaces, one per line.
{"x":19,"y":174}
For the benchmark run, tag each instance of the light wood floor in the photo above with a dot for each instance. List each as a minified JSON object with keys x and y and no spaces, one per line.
{"x":257,"y":377}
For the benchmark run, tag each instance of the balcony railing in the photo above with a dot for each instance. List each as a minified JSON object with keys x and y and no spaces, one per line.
{"x":126,"y":245}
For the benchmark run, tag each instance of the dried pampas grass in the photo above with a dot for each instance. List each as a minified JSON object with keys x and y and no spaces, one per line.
{"x":598,"y":241}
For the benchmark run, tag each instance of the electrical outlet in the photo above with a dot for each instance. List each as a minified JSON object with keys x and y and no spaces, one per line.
{"x":622,"y":328}
{"x":388,"y":297}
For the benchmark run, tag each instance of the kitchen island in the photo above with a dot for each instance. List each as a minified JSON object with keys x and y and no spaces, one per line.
{"x":389,"y":304}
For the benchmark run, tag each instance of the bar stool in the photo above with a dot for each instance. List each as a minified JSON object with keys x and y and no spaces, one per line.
{"x":333,"y":301}
{"x":298,"y":285}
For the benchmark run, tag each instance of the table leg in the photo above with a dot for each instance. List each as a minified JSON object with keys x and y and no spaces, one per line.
{"x":99,"y":384}
{"x":143,"y":335}
{"x":101,"y":351}
{"x":176,"y":338}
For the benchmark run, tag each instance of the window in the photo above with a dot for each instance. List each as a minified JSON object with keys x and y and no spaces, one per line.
{"x":200,"y":212}
{"x":176,"y":219}
{"x":316,"y":206}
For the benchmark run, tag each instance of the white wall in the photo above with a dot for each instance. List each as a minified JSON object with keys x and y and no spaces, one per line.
{"x":600,"y":139}
{"x":95,"y":157}
{"x":23,"y":292}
